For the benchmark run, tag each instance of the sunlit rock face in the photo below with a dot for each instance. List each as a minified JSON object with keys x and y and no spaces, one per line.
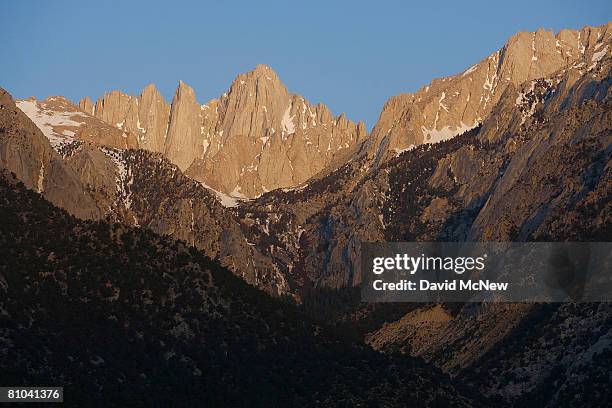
{"x":255,"y":138}
{"x":452,"y":105}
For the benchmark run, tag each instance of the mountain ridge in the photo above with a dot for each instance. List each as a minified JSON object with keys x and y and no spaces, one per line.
{"x":254,"y":138}
{"x":454,"y":104}
{"x":230,"y":144}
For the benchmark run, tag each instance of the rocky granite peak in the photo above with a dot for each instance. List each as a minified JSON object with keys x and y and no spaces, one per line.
{"x":153,"y":119}
{"x":183,"y":141}
{"x":254,"y":138}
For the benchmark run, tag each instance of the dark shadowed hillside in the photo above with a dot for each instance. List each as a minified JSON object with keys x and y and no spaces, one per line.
{"x":120,"y":314}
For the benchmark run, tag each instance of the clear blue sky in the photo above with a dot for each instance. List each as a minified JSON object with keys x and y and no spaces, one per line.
{"x":349,"y":55}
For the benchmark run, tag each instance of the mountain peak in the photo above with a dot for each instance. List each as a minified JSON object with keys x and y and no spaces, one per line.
{"x":262,"y":68}
{"x":150,"y":88}
{"x":184,"y":89}
{"x":262,"y":77}
{"x":182,"y":138}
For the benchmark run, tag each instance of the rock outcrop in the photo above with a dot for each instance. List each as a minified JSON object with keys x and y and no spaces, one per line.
{"x":264,"y":138}
{"x":184,"y":140}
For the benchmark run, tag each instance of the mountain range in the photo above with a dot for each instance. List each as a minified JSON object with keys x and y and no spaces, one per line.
{"x":255,"y":138}
{"x":282,"y":193}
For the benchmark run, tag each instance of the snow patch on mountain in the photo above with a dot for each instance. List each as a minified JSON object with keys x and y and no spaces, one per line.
{"x":47,"y":120}
{"x":598,"y":56}
{"x":405,"y":149}
{"x":445,"y":133}
{"x":287,"y":121}
{"x":124,"y":177}
{"x":470,"y":70}
{"x":226,"y":200}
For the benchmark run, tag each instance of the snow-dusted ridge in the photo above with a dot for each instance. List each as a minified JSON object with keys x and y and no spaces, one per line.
{"x":47,"y":120}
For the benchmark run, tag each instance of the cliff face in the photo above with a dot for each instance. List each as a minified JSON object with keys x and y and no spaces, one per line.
{"x":184,"y":139}
{"x":146,"y":116}
{"x":255,"y":138}
{"x":450,"y":106}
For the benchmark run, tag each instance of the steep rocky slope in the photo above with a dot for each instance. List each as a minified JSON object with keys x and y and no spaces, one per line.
{"x":526,"y":355}
{"x":120,"y":316}
{"x":256,"y":137}
{"x":450,"y":106}
{"x":146,"y":190}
